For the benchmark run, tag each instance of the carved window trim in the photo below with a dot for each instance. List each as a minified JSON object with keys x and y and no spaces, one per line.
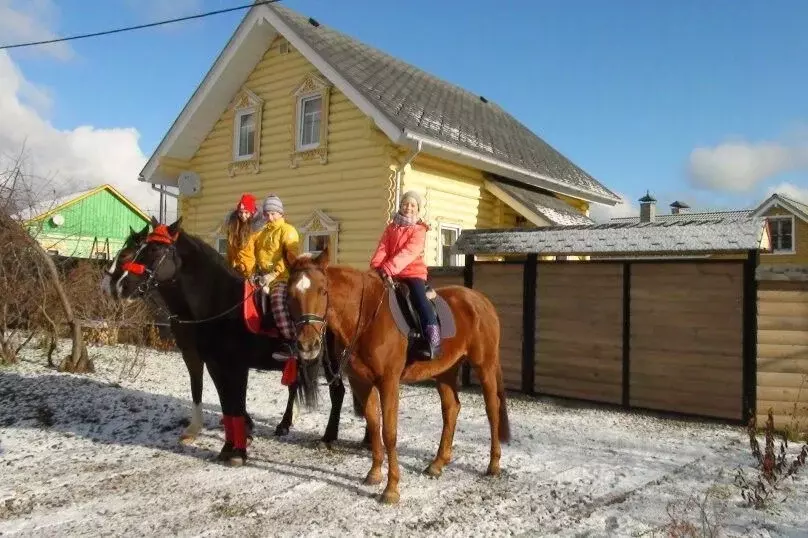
{"x":317,"y":225}
{"x":246,"y":102}
{"x":312,"y":86}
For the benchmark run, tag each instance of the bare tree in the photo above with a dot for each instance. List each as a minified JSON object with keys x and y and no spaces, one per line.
{"x":28,"y":274}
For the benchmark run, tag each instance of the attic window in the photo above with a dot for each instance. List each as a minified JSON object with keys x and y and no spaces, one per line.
{"x":285,"y":47}
{"x":247,"y":108}
{"x":310,"y":106}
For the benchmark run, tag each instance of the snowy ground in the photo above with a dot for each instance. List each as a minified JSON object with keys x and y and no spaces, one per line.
{"x":98,"y":455}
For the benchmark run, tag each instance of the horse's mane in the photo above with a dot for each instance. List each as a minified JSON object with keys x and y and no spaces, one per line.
{"x":202,"y":247}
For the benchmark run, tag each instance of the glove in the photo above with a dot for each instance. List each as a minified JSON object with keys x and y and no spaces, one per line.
{"x":386,"y":279}
{"x":265,"y":280}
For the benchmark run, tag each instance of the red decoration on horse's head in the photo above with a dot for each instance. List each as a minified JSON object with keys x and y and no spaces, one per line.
{"x":134,"y":267}
{"x":161,"y":234}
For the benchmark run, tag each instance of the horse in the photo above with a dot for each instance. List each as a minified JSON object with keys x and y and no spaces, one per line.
{"x":203,"y":296}
{"x":348,"y":301}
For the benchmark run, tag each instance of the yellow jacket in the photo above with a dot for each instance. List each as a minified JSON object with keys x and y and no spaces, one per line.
{"x":242,"y":259}
{"x":272,"y":245}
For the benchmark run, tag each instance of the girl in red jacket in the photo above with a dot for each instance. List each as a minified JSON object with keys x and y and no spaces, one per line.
{"x":400,"y":254}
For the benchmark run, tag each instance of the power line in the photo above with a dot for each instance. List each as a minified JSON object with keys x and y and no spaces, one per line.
{"x":138,"y":27}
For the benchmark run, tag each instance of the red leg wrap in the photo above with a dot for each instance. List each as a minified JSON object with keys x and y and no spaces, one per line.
{"x":227,"y":420}
{"x":289,"y":372}
{"x":239,"y":432}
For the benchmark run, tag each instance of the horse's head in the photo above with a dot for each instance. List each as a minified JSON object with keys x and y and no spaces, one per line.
{"x":308,"y":302}
{"x":146,"y":260}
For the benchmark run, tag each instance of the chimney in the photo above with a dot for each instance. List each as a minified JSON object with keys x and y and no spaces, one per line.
{"x":678,"y":208}
{"x":647,"y":208}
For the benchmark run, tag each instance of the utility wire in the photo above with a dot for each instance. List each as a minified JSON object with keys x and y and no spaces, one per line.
{"x":138,"y":27}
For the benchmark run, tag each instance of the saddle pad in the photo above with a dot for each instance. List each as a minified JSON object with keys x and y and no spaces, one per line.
{"x":442,"y":309}
{"x":252,"y":317}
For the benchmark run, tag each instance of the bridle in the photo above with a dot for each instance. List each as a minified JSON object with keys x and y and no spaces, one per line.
{"x":308,"y":318}
{"x":162,"y":235}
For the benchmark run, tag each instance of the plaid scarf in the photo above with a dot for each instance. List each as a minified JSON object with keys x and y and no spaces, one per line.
{"x":401,"y":220}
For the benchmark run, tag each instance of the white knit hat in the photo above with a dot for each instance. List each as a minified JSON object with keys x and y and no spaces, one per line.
{"x":273,"y":203}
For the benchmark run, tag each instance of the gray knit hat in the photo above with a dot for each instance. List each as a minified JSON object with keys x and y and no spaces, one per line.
{"x":273,"y":203}
{"x":415,"y":197}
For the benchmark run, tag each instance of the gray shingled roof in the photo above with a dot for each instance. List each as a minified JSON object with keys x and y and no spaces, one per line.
{"x":551,"y":208}
{"x":740,"y":214}
{"x":719,"y":235}
{"x":424,"y":104}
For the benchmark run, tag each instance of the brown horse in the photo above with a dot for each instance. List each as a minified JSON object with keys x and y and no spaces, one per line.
{"x":350,"y":302}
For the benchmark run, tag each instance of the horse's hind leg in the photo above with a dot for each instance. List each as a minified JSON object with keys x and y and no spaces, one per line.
{"x":286,"y":422}
{"x":490,"y":380}
{"x":450,"y":407}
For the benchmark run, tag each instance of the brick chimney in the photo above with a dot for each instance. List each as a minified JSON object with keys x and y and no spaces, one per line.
{"x":647,"y":208}
{"x":678,"y":208}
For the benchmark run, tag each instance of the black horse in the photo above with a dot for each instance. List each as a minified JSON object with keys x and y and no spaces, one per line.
{"x":204,"y":297}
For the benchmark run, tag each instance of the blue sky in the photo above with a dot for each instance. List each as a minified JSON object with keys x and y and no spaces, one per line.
{"x":627,"y":89}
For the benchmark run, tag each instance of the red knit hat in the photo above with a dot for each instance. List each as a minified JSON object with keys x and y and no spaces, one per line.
{"x":247,"y":202}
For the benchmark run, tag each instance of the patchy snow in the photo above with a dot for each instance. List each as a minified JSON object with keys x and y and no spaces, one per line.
{"x":99,"y":455}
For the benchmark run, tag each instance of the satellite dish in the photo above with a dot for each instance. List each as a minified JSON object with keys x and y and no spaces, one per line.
{"x":57,"y":219}
{"x":189,"y":183}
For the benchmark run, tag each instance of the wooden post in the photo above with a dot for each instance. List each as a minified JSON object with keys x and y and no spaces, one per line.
{"x":627,"y":334}
{"x":529,"y":323}
{"x":468,"y":281}
{"x":750,"y":322}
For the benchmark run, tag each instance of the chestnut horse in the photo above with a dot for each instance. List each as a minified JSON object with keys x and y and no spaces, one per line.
{"x":349,"y":302}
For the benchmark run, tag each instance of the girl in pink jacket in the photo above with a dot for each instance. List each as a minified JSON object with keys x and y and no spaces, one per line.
{"x":400,"y":254}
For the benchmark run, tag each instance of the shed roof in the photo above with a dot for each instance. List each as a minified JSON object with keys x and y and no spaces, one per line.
{"x":672,"y":238}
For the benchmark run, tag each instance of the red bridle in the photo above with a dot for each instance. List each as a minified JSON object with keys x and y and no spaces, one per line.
{"x":159,"y":235}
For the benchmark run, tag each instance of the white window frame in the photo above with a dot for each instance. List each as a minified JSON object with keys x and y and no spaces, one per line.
{"x":458,"y":259}
{"x":309,"y":236}
{"x":240,"y":113}
{"x":300,"y":107}
{"x":782,"y":218}
{"x":221,"y":244}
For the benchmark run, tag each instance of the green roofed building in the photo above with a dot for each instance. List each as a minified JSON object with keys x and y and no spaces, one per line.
{"x":90,"y":224}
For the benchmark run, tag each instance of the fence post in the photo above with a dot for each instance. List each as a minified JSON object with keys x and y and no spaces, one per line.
{"x":529,"y":324}
{"x":626,"y":334}
{"x":750,"y":325}
{"x":468,"y":281}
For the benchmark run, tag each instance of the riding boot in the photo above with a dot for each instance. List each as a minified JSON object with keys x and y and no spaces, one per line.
{"x":433,"y":337}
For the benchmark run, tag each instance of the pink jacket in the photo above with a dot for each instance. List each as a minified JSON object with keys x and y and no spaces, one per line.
{"x":401,"y":251}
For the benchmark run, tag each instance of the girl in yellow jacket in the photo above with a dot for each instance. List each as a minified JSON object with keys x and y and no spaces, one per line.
{"x":243,"y":226}
{"x":273,"y":245}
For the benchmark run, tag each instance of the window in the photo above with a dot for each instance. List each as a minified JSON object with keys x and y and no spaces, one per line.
{"x":53,"y":252}
{"x":245,"y":134}
{"x":247,"y":109}
{"x":316,"y":243}
{"x":221,"y":245}
{"x":319,"y":231}
{"x":310,"y":107}
{"x":448,"y":236}
{"x":309,"y":125}
{"x":782,"y":232}
{"x":100,"y":255}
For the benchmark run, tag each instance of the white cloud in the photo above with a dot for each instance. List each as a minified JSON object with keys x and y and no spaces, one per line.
{"x":74,"y":159}
{"x":23,"y":21}
{"x":603,"y":213}
{"x":739,"y":166}
{"x":791,"y":191}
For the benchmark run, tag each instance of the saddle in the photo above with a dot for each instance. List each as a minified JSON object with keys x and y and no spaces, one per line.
{"x":257,"y":317}
{"x":409,"y":322}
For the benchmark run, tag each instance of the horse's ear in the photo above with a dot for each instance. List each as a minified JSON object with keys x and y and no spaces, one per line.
{"x":322,"y":258}
{"x":174,"y":228}
{"x":154,"y":222}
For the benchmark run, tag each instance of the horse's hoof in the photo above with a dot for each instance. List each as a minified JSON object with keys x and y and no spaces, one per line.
{"x":373,"y":478}
{"x":281,"y":430}
{"x":322,"y":444}
{"x":226,"y":452}
{"x":433,"y":470}
{"x":493,"y":470}
{"x":237,"y":458}
{"x":390,"y":497}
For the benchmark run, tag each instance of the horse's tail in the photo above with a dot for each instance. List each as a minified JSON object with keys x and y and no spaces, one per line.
{"x":307,"y":387}
{"x":504,"y":421}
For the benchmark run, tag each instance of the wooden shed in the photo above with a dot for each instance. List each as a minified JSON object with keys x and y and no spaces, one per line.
{"x":653,"y":323}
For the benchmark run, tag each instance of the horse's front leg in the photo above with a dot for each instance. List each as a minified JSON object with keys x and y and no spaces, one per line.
{"x":336,"y":390}
{"x":196,"y":370}
{"x":389,"y":400}
{"x":369,"y":402}
{"x":286,"y":422}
